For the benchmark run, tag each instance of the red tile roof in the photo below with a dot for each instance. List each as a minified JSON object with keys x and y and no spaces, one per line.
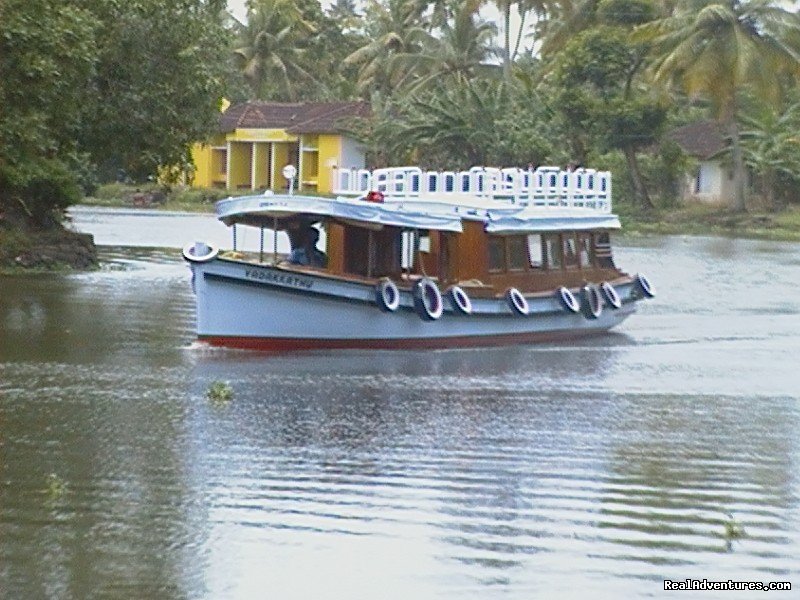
{"x":298,"y":117}
{"x":702,"y":139}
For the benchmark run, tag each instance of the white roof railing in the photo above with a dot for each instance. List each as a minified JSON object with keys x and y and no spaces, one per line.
{"x":542,"y":187}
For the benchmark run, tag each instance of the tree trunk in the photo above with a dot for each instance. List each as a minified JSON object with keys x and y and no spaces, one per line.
{"x":640,"y":194}
{"x":769,"y":180}
{"x":739,"y":200}
{"x":507,"y":57}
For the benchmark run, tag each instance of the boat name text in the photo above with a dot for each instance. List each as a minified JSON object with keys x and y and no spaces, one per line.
{"x":280,"y":278}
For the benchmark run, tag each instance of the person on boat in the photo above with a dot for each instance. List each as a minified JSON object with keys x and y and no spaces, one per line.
{"x":306,"y":252}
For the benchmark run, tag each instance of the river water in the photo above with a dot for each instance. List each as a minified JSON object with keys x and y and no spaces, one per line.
{"x":668,"y":449}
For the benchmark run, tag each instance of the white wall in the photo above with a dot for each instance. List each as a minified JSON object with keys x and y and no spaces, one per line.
{"x":711,"y":185}
{"x":352,"y":154}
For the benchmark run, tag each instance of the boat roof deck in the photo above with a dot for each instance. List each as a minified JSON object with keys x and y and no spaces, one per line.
{"x":506,"y":200}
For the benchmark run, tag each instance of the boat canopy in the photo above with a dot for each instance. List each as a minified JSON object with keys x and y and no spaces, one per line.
{"x":264,"y":210}
{"x":523,"y":221}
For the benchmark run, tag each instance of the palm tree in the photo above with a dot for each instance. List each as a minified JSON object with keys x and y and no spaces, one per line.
{"x":457,"y":124}
{"x":524,"y":9}
{"x":269,"y":48}
{"x":718,"y":48}
{"x":392,"y":28}
{"x":457,"y":53}
{"x":771,"y":146}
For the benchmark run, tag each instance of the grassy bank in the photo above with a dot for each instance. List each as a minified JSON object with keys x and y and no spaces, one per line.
{"x":711,"y":220}
{"x":183,"y":199}
{"x":26,"y":250}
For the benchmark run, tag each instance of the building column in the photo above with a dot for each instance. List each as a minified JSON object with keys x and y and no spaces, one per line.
{"x":228,"y":166}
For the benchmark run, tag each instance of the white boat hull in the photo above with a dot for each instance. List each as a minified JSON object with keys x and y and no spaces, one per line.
{"x":262,"y":307}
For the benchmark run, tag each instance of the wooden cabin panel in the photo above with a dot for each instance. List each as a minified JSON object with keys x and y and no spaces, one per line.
{"x":469,"y":253}
{"x":431,"y":260}
{"x":544,"y":280}
{"x":386,"y":252}
{"x":335,"y":247}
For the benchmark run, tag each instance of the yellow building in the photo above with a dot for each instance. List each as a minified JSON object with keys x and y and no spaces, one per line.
{"x":257,"y":139}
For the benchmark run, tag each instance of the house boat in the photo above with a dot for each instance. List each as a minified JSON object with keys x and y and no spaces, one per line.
{"x":419,"y":259}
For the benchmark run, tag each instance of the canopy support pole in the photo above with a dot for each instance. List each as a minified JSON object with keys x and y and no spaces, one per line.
{"x":234,"y":237}
{"x":274,"y":241}
{"x":261,"y":247}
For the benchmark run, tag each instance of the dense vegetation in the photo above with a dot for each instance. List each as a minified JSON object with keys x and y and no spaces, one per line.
{"x":93,"y":89}
{"x":107,"y":90}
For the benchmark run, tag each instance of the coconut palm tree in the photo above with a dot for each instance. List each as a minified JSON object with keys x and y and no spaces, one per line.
{"x":393,"y":27}
{"x":456,"y":125}
{"x":771,"y":146}
{"x":718,"y":48}
{"x":458,"y":52}
{"x":269,"y":48}
{"x":539,"y":8}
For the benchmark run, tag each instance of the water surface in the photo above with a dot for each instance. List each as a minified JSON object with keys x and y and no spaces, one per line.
{"x":594,"y":468}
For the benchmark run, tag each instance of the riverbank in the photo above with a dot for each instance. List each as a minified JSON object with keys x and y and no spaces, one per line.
{"x":45,"y":250}
{"x":61,"y":249}
{"x":783,"y":225}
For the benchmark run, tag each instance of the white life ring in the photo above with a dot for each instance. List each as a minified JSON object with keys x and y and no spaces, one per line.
{"x":643,"y":283}
{"x":428,"y":299}
{"x":387,"y":296}
{"x":517,"y":302}
{"x":611,"y":295}
{"x":200,"y":252}
{"x":568,"y":300}
{"x":592,"y":301}
{"x":460,"y":300}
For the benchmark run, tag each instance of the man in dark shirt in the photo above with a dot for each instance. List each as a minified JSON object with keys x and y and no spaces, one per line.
{"x":306,"y":252}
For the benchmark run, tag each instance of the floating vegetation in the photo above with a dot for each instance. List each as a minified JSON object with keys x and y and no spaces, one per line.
{"x":733,"y":531}
{"x":56,"y":487}
{"x":219,"y":392}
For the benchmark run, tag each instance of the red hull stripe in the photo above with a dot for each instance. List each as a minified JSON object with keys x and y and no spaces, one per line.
{"x":272,"y":344}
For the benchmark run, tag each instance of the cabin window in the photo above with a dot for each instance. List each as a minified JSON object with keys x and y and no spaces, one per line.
{"x":570,"y":250}
{"x":408,"y":249}
{"x":585,"y":258}
{"x":553,"y":250}
{"x":424,"y":244}
{"x":356,"y":251}
{"x":372,"y":253}
{"x":497,"y":254}
{"x":535,"y":250}
{"x":602,"y":250}
{"x":517,"y":253}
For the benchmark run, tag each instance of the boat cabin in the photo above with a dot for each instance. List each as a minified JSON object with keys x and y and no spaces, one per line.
{"x":483,"y":230}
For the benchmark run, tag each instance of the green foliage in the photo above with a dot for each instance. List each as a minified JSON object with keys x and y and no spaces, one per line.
{"x":662,"y":172}
{"x":771,"y":149}
{"x":219,"y":392}
{"x":718,"y":49}
{"x":625,"y":12}
{"x":56,"y":487}
{"x":206,"y":196}
{"x":456,"y":53}
{"x":101,"y":84}
{"x":157,"y":83}
{"x":599,"y":103}
{"x":40,"y":188}
{"x":462,"y":124}
{"x":270,"y":48}
{"x":392,"y":28}
{"x":46,"y":55}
